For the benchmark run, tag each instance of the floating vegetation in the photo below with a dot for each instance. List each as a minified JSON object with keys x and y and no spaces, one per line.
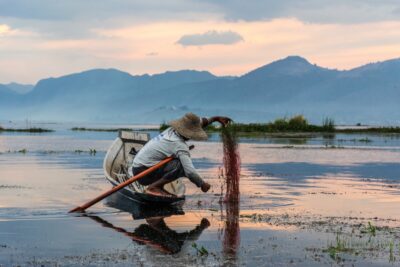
{"x":296,"y":124}
{"x":26,"y":130}
{"x":334,"y":146}
{"x":392,"y":258}
{"x":83,"y":129}
{"x":23,"y":151}
{"x":371,"y":229}
{"x":365,"y":140}
{"x":341,"y":246}
{"x":13,"y":187}
{"x":377,"y":130}
{"x":209,"y":128}
{"x":202,"y":251}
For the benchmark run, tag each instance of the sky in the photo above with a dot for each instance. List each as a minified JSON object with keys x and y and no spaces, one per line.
{"x":49,"y":38}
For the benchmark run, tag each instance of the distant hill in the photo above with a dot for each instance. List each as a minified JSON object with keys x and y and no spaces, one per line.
{"x":6,"y":95}
{"x":367,"y":94}
{"x":20,"y":88}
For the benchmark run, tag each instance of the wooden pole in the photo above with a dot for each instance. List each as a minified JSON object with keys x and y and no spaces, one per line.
{"x":120,"y":186}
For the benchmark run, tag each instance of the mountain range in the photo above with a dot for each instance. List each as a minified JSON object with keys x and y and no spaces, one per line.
{"x":368,"y":94}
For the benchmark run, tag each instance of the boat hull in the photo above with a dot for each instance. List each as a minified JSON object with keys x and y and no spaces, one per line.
{"x":117,"y":164}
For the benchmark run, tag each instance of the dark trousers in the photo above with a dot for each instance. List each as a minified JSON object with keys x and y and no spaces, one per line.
{"x":170,"y":172}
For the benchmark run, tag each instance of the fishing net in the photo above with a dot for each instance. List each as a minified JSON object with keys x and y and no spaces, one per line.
{"x":231,"y":160}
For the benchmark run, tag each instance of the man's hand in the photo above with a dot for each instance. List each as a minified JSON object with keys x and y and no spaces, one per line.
{"x":223,"y":120}
{"x":205,"y":187}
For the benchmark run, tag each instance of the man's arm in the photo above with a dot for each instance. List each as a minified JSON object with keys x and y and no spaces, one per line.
{"x":191,"y":172}
{"x":222,"y":120}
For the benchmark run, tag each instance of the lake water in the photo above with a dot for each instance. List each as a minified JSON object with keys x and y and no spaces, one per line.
{"x":305,"y":201}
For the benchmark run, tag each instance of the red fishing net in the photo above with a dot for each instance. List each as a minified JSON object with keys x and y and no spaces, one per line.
{"x":231,"y":159}
{"x":231,"y":163}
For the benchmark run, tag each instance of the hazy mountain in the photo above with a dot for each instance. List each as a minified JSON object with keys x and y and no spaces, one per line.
{"x":20,"y":88}
{"x":6,"y":94}
{"x":367,"y":94}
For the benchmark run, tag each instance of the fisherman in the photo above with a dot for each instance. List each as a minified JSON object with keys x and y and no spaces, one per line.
{"x":172,"y":142}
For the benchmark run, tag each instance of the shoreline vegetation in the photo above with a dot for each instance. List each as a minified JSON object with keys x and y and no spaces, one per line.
{"x":288,"y":126}
{"x":84,"y":129}
{"x":296,"y":124}
{"x":26,"y":130}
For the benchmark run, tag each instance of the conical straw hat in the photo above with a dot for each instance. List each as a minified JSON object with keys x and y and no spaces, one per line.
{"x":189,"y":126}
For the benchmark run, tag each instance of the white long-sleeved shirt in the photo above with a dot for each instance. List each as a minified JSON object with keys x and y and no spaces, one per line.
{"x":168,"y":143}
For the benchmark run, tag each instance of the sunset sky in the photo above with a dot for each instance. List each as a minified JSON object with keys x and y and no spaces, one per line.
{"x":44,"y":38}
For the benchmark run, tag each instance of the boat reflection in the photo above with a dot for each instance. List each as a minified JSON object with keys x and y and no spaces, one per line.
{"x":154,"y":232}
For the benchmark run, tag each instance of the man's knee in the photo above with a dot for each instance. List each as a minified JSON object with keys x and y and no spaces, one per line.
{"x":175,"y":168}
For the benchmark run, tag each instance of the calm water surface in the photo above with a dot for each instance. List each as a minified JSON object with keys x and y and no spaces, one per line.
{"x":303,"y":199}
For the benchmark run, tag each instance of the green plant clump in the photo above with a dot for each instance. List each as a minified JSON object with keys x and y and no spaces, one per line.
{"x":27,"y":130}
{"x":209,"y":128}
{"x":202,"y":251}
{"x":370,"y":228}
{"x":340,"y":247}
{"x":296,"y":123}
{"x":83,"y":129}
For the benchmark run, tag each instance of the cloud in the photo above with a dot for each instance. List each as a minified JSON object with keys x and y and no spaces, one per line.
{"x":4,"y":29}
{"x":76,"y":18}
{"x":210,"y":38}
{"x":67,"y":19}
{"x":315,"y":11}
{"x":41,"y":38}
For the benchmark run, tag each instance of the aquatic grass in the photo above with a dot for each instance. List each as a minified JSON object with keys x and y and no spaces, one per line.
{"x":202,"y":251}
{"x":328,"y":124}
{"x":392,"y":258}
{"x":210,"y":128}
{"x":365,"y":140}
{"x":92,"y":151}
{"x":340,"y":246}
{"x":163,"y":126}
{"x":295,"y":124}
{"x":84,"y":129}
{"x":26,"y":130}
{"x":377,"y":130}
{"x":370,"y":228}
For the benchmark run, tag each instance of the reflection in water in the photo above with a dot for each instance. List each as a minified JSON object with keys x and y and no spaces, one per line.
{"x":155,"y":232}
{"x":231,"y":238}
{"x":140,"y":210}
{"x":232,"y":167}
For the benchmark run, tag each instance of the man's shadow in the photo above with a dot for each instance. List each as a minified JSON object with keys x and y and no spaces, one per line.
{"x":155,"y":232}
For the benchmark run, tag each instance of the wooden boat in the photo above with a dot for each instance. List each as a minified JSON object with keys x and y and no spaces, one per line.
{"x":117,"y":169}
{"x":141,"y":211}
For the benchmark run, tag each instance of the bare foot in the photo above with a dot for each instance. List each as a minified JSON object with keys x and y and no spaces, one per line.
{"x":157,"y":192}
{"x":166,"y":192}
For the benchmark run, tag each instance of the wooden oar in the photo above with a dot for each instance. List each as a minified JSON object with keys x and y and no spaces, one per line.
{"x":120,"y":186}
